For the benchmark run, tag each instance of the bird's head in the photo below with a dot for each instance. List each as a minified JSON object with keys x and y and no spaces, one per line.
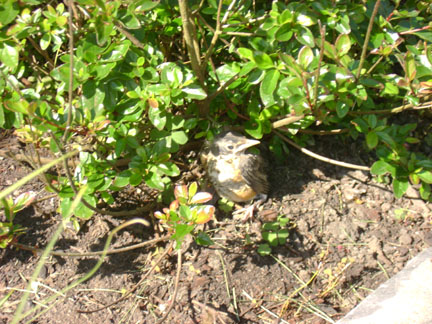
{"x":231,"y":144}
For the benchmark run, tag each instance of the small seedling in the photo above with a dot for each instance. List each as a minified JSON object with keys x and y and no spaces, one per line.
{"x":274,"y":233}
{"x":185,"y":212}
{"x":8,"y":230}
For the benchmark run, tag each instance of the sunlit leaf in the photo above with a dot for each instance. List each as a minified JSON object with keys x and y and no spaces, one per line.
{"x":201,"y":197}
{"x":268,"y":86}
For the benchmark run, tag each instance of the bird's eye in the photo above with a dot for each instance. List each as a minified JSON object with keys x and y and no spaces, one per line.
{"x":230,"y":147}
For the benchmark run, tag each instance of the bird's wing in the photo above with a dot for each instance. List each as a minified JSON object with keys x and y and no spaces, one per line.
{"x":253,"y":169}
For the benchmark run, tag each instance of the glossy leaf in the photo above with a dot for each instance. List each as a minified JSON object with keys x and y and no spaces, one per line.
{"x":194,"y":92}
{"x":372,"y":139}
{"x":343,"y":44}
{"x":181,"y":192}
{"x":205,"y":214}
{"x":193,"y":188}
{"x":305,"y":56}
{"x":201,"y":198}
{"x":410,"y":66}
{"x":380,"y":167}
{"x":400,"y":187}
{"x":263,"y":61}
{"x":425,"y":176}
{"x":179,"y":137}
{"x":268,"y":86}
{"x":9,"y":55}
{"x":284,"y":33}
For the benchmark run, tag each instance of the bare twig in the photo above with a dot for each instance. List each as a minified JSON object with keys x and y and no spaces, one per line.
{"x":287,"y":121}
{"x":318,"y":71}
{"x":242,"y":34}
{"x":71,"y":69}
{"x":367,"y":37}
{"x":128,"y":35}
{"x":324,"y":132}
{"x":41,"y":51}
{"x":215,"y":37}
{"x":130,"y":291}
{"x":223,"y":87}
{"x":211,"y":28}
{"x":412,"y":31}
{"x":189,"y":35}
{"x":396,"y":110}
{"x":319,"y":157}
{"x":244,"y":293}
{"x":176,"y":285}
{"x":94,"y":253}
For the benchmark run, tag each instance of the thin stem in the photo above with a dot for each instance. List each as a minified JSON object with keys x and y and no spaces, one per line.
{"x":396,"y":110}
{"x":367,"y":37}
{"x":215,"y":37}
{"x":176,"y":285}
{"x":318,"y":71}
{"x":319,"y":157}
{"x":93,"y":253}
{"x":71,"y":69}
{"x":189,"y":35}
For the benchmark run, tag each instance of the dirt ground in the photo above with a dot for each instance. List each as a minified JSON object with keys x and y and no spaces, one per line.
{"x":347,"y":235}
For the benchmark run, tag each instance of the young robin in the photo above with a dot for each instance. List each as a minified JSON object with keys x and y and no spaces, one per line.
{"x":236,"y":174}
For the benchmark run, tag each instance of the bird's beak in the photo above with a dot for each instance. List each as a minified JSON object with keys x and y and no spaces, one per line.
{"x":246,"y":144}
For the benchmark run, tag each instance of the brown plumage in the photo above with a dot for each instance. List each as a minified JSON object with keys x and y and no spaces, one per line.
{"x":236,"y":174}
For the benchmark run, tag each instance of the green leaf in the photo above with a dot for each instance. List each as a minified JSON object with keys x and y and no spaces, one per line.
{"x":263,"y":61}
{"x":122,"y":179}
{"x":342,"y":109}
{"x":305,"y":37}
{"x":400,"y":187}
{"x":153,"y":180}
{"x":264,"y":249}
{"x":268,"y":86}
{"x":329,"y":50}
{"x":305,"y":56}
{"x":381,"y":167}
{"x":372,"y":139}
{"x":254,"y":128}
{"x":193,"y":188}
{"x":425,"y":176}
{"x":227,"y":71}
{"x":284,"y":32}
{"x":203,"y":239}
{"x":410,"y":67}
{"x":245,"y":53}
{"x":305,"y":20}
{"x":386,"y":138}
{"x":171,"y":75}
{"x":157,"y":118}
{"x":181,"y":230}
{"x":9,"y":9}
{"x":169,"y":168}
{"x":84,"y":212}
{"x":390,"y":89}
{"x":179,"y":137}
{"x":45,"y":40}
{"x":103,"y":29}
{"x":372,"y":121}
{"x":135,"y":179}
{"x":285,"y":17}
{"x":20,"y":106}
{"x":343,"y":44}
{"x":146,"y":5}
{"x":425,"y":191}
{"x":194,"y":91}
{"x":9,"y":55}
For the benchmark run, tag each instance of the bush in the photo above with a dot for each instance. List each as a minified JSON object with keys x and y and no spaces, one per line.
{"x":147,"y":77}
